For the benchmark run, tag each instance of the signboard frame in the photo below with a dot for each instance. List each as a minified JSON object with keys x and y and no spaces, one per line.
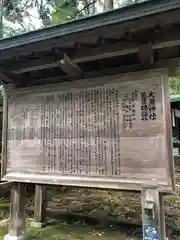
{"x":87,"y":181}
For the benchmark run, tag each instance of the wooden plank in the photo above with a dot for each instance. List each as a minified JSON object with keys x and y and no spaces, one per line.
{"x":83,"y":55}
{"x":169,"y":52}
{"x":9,"y":77}
{"x":145,"y":53}
{"x":40,"y":205}
{"x":160,"y":41}
{"x":53,"y":82}
{"x":162,"y":216}
{"x":17,"y":211}
{"x":69,"y":67}
{"x":168,"y":128}
{"x":99,"y":130}
{"x":5,"y":79}
{"x":4,"y":134}
{"x":101,"y":52}
{"x":104,"y":31}
{"x":171,"y":64}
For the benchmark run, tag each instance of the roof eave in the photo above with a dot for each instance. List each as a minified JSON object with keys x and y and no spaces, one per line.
{"x":120,"y":15}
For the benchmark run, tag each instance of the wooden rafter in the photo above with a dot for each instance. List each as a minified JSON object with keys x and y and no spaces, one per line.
{"x":145,"y":53}
{"x":69,"y":67}
{"x":172,"y":63}
{"x":7,"y":77}
{"x":160,"y":41}
{"x":58,"y":37}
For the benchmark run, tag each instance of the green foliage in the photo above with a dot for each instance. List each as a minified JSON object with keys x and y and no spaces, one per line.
{"x":64,"y":231}
{"x":173,"y":199}
{"x":174,"y":202}
{"x":63,"y":12}
{"x":178,"y":224}
{"x":50,"y":12}
{"x":174,"y":85}
{"x":176,"y":141}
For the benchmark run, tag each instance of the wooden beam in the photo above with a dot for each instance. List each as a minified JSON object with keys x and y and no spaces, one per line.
{"x":86,"y":75}
{"x":6,"y":185}
{"x":101,"y":73}
{"x":82,"y":55}
{"x":168,"y":39}
{"x":6,"y":76}
{"x":40,"y":206}
{"x":69,"y":67}
{"x":109,"y":72}
{"x":168,"y":52}
{"x":4,"y":134}
{"x":167,"y":17}
{"x":5,"y":79}
{"x":17,"y":211}
{"x":145,"y":53}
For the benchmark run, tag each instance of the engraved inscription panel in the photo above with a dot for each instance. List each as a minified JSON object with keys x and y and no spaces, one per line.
{"x":111,"y":130}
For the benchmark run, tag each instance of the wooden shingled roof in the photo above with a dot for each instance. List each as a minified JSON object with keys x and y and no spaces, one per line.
{"x":135,"y":37}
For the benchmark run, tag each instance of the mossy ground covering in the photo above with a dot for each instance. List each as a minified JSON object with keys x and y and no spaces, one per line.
{"x":93,"y":214}
{"x":101,"y":205}
{"x":64,"y":231}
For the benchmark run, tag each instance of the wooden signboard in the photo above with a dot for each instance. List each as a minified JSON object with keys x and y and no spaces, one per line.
{"x":113,"y":132}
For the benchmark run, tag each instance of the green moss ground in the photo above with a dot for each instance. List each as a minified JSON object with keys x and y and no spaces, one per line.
{"x":64,"y":231}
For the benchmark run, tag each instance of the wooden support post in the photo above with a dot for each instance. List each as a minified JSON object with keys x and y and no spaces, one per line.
{"x":162,"y":216}
{"x":153,"y":215}
{"x":40,"y":206}
{"x":17,"y":213}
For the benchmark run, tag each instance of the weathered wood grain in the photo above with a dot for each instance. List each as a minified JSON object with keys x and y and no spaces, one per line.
{"x":94,"y":130}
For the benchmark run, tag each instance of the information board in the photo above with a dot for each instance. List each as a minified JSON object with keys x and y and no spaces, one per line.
{"x":109,"y":132}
